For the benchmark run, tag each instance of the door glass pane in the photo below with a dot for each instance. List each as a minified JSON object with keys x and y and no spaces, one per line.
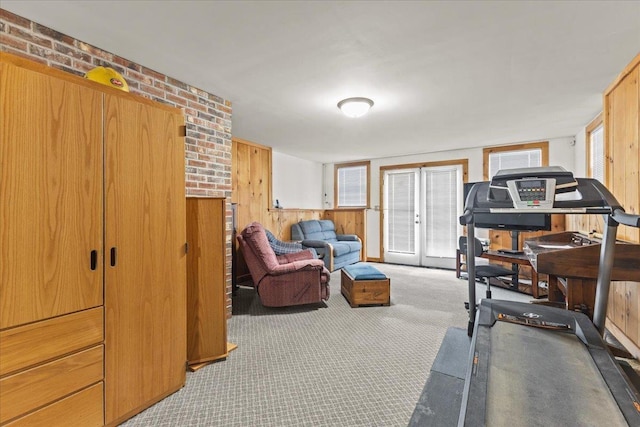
{"x":441,"y":210}
{"x":401,"y":213}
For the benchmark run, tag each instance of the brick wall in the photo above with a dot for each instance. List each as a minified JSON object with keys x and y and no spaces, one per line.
{"x":208,"y":117}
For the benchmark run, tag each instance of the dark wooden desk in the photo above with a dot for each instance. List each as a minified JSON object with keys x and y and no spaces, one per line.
{"x":571,"y":261}
{"x":515,"y":260}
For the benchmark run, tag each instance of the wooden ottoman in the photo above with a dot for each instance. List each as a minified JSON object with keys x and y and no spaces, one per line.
{"x":363,"y":284}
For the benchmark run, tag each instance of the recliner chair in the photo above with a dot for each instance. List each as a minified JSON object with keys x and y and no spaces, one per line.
{"x":285,"y":280}
{"x":484,"y":271}
{"x":336,"y":250}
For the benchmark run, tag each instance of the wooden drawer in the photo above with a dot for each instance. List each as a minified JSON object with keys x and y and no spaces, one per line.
{"x":82,"y":409}
{"x":27,"y":345}
{"x":39,"y":386}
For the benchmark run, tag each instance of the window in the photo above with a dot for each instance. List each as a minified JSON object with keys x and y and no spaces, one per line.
{"x":352,"y":185}
{"x":595,"y":149}
{"x":515,"y":156}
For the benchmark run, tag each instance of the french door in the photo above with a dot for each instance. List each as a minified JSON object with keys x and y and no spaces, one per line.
{"x":421,"y":207}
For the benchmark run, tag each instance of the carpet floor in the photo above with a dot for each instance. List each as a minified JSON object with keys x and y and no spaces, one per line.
{"x":325,"y":364}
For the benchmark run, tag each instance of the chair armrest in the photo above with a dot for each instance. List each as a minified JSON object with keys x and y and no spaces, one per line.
{"x":348,"y":237}
{"x":315,"y":243}
{"x":307,"y":264}
{"x":296,"y":256}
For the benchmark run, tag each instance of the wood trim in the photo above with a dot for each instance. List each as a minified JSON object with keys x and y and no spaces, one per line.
{"x":455,"y":162}
{"x":626,"y":71}
{"x":593,"y":125}
{"x":542,"y":145}
{"x":336,"y":167}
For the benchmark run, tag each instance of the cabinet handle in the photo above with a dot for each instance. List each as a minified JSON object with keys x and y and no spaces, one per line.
{"x":94,"y":260}
{"x":114,"y":254}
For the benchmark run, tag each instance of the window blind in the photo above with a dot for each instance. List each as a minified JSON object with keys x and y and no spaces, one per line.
{"x":401,"y":212}
{"x":514,"y":159}
{"x":441,"y":199}
{"x":352,"y":186}
{"x":596,"y":154}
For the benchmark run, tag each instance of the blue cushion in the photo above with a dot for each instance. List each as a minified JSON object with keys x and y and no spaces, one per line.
{"x":363,"y":272}
{"x":318,"y":230}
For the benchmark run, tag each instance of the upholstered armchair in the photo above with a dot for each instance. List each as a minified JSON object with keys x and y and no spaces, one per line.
{"x":336,"y":250}
{"x":284,"y":248}
{"x":289,"y":279}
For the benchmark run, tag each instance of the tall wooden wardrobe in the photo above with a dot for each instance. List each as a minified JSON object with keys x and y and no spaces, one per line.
{"x":92,"y":249}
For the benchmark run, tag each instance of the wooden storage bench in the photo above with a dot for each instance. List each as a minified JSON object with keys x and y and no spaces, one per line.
{"x":363,"y":284}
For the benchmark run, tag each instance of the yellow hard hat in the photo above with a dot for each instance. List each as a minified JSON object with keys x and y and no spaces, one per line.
{"x":108,"y":76}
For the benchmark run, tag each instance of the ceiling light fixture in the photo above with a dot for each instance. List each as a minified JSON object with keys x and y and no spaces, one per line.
{"x":355,"y":107}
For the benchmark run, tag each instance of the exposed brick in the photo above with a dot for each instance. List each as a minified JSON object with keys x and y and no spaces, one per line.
{"x":126,"y":63}
{"x":15,"y":43}
{"x":71,"y":52}
{"x":94,"y":51}
{"x":177,"y":83}
{"x":139,"y":77}
{"x":50,"y":55}
{"x":163,"y":86}
{"x":82,"y":66}
{"x":152,"y":73}
{"x":200,"y":192}
{"x":52,"y":33}
{"x":14,"y":19}
{"x":28,"y":36}
{"x":176,"y":99}
{"x":151,"y":90}
{"x":22,"y":54}
{"x":187,"y":95}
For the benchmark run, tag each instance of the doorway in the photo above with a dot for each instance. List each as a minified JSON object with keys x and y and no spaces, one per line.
{"x":421,"y":206}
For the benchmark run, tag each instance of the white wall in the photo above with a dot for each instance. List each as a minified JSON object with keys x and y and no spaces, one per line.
{"x":296,"y":183}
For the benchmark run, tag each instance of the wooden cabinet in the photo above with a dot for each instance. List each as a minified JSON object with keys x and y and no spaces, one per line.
{"x":92,"y":243}
{"x":51,"y":226}
{"x":145,"y":260}
{"x":206,"y":284}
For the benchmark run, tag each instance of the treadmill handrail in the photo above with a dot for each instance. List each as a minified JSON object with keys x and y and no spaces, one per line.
{"x":621,"y":217}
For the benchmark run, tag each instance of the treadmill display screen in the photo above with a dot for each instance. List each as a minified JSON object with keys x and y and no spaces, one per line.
{"x":530,"y":184}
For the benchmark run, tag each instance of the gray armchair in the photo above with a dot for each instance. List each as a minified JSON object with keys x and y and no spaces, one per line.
{"x":336,"y":250}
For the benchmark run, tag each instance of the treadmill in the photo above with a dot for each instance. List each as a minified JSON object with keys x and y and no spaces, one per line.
{"x":535,"y":365}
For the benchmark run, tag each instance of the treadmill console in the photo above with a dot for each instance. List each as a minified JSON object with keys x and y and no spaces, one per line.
{"x":532,"y":193}
{"x":531,"y":188}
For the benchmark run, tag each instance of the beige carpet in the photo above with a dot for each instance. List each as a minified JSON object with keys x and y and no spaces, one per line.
{"x":326,"y":364}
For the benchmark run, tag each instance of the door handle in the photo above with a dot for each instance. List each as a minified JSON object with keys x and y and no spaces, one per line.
{"x":94,"y":260}
{"x":114,"y":255}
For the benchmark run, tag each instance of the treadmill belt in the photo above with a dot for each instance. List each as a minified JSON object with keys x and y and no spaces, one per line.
{"x":542,"y":377}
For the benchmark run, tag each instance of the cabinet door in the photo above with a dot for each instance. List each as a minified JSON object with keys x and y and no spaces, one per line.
{"x":145,"y":263}
{"x":51,"y":192}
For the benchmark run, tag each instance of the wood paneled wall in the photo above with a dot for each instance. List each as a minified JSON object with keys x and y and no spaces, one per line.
{"x":621,"y":109}
{"x":622,"y":164}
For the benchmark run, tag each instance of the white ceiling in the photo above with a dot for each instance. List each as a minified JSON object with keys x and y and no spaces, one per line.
{"x":443,"y":75}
